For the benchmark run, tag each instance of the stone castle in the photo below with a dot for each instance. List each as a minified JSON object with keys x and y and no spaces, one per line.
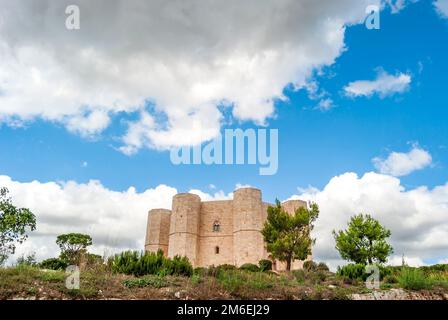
{"x":215,"y":232}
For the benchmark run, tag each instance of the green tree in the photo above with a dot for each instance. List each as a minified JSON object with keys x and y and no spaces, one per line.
{"x":364,"y":241}
{"x":14,"y":224}
{"x":29,"y":260}
{"x":288,"y":235}
{"x":73,"y":245}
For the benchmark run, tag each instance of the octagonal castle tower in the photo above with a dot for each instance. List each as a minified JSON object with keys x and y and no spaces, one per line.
{"x":184,"y":229}
{"x":157,"y":230}
{"x":214,"y":232}
{"x":248,"y":244}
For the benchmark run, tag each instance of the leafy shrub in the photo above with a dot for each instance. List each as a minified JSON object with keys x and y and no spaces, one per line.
{"x":138,"y":264}
{"x":299,"y":275}
{"x":177,"y":266}
{"x":386,"y":286}
{"x":53,"y":276}
{"x":439,"y":279}
{"x":250,"y":267}
{"x":319,"y":276}
{"x":414,"y":279}
{"x":358,"y":271}
{"x":386,"y":271}
{"x":352,"y":271}
{"x":196,"y":278}
{"x":265,"y":265}
{"x":126,"y":262}
{"x":29,"y":260}
{"x":236,"y":280}
{"x":200,"y":271}
{"x":92,"y":260}
{"x":322,"y":267}
{"x":341,"y":294}
{"x":309,"y":265}
{"x":435,"y":268}
{"x":53,"y":264}
{"x":211,"y":271}
{"x":226,"y":267}
{"x":315,"y":277}
{"x":214,"y":271}
{"x":390,"y":279}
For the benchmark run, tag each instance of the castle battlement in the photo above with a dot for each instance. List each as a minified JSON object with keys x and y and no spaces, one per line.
{"x":214,"y":232}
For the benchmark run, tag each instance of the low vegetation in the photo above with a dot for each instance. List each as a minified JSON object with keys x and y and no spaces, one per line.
{"x":148,"y":281}
{"x":358,"y":271}
{"x":133,"y":275}
{"x":414,"y":279}
{"x":104,"y":281}
{"x":139,"y":263}
{"x":54,"y":264}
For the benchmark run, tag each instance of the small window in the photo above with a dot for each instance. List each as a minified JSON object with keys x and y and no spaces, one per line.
{"x":216,"y":250}
{"x":216,"y":226}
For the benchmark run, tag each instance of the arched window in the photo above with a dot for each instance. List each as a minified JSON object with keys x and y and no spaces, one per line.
{"x":216,"y":226}
{"x":216,"y":250}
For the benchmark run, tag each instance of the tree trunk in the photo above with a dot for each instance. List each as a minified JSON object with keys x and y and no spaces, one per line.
{"x":288,"y":264}
{"x":370,"y":252}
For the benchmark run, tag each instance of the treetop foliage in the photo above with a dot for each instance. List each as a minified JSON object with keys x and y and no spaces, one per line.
{"x":364,"y":241}
{"x":14,"y":224}
{"x":288,"y":235}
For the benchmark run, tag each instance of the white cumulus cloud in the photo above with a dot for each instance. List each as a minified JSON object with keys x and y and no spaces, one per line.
{"x":181,"y":62}
{"x":115,"y":220}
{"x":383,"y":85}
{"x":325,"y":104}
{"x":442,"y":7}
{"x":397,"y":260}
{"x":400,"y":164}
{"x":417,"y":218}
{"x":398,"y":5}
{"x":90,"y":124}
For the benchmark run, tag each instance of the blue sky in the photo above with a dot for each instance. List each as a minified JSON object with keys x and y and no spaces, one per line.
{"x":315,"y":145}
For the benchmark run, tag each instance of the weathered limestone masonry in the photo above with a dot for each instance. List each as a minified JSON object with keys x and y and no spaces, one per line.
{"x":214,"y":232}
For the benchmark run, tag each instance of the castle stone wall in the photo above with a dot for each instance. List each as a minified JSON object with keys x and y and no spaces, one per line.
{"x":264,"y":216}
{"x":184,"y":228}
{"x":188,"y":229}
{"x":212,"y":241}
{"x":157,"y":233}
{"x":248,"y":244}
{"x":291,"y":206}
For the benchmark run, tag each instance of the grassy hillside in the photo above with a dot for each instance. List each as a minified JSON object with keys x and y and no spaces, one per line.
{"x":99,"y":282}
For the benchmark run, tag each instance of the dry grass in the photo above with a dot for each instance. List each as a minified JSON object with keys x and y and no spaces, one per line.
{"x":99,"y":283}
